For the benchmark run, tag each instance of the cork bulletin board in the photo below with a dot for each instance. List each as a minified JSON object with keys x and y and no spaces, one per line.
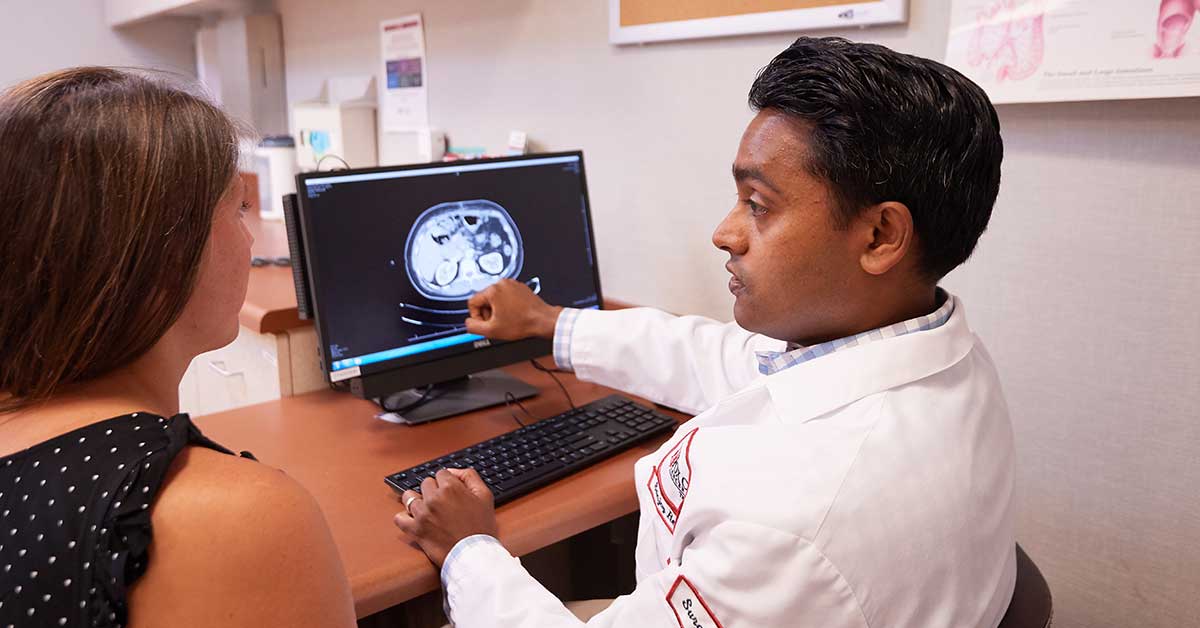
{"x":637,"y":21}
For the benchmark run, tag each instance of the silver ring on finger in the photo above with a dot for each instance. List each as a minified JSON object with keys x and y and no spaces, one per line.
{"x":408,"y":502}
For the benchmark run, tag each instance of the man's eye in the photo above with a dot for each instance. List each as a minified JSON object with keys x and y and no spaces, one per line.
{"x":755,"y":208}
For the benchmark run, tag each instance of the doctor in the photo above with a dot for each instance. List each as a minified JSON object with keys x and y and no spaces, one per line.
{"x":851,"y":459}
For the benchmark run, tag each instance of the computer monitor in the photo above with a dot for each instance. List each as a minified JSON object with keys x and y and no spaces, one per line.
{"x":392,"y":255}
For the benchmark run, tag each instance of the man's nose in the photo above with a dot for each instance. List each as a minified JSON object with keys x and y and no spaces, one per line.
{"x":729,"y":236}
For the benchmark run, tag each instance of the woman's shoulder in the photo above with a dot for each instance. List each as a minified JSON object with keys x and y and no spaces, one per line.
{"x":199,"y":474}
{"x":204,"y":485}
{"x":245,"y":541}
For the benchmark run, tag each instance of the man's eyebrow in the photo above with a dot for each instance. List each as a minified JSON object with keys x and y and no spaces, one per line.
{"x":741,"y":173}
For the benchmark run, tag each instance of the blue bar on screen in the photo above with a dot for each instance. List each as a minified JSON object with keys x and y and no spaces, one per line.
{"x":391,"y":354}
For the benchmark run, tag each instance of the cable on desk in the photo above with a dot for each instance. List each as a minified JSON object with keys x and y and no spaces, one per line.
{"x":259,"y":262}
{"x":551,"y":373}
{"x":426,"y":396}
{"x":509,"y":400}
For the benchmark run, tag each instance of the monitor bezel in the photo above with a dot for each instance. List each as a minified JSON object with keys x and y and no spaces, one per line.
{"x":431,"y":367}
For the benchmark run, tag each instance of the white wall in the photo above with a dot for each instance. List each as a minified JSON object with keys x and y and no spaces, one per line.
{"x":1084,"y":288}
{"x":53,"y":34}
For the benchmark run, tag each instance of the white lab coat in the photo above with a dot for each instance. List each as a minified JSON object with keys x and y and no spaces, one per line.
{"x":869,"y":487}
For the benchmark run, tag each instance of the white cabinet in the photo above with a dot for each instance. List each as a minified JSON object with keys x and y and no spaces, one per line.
{"x":239,"y":58}
{"x":239,"y":53}
{"x":252,"y":369}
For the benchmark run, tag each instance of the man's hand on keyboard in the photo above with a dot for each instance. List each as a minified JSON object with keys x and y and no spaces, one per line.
{"x":452,"y":506}
{"x":509,"y":310}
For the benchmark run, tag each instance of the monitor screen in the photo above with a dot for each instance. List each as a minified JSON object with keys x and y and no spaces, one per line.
{"x":394,"y":253}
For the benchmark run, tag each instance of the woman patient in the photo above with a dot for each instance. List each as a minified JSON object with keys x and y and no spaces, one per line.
{"x":122,"y":256}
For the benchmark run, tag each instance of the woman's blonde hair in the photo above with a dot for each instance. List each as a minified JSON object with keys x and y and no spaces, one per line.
{"x":108,"y":183}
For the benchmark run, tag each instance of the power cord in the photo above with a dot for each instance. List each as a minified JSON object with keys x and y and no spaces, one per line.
{"x":332,"y":156}
{"x":511,"y":399}
{"x":426,"y":396}
{"x":551,"y":373}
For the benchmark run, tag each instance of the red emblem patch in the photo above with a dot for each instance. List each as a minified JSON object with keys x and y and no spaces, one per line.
{"x":668,"y":496}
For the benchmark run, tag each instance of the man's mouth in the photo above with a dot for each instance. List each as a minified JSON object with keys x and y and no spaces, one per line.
{"x":735,"y":283}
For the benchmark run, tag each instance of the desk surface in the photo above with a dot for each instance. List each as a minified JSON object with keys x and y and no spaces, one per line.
{"x":331,"y":443}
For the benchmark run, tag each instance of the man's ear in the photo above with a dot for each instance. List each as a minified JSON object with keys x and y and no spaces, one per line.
{"x":889,"y":234}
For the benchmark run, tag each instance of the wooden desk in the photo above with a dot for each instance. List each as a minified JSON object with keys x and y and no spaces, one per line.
{"x":332,"y":444}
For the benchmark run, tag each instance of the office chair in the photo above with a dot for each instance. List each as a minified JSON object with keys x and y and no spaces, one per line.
{"x":1031,"y":605}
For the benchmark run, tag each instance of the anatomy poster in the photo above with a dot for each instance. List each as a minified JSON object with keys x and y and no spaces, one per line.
{"x":1068,"y":50}
{"x":404,"y":101}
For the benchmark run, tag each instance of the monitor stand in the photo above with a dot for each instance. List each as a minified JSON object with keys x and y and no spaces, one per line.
{"x":456,"y":396}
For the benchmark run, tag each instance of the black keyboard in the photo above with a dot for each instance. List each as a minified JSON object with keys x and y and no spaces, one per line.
{"x":533,"y":456}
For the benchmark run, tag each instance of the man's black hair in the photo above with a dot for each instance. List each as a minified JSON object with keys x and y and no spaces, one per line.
{"x":885,"y":126}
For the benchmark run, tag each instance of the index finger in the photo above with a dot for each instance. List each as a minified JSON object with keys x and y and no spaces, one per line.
{"x":447,"y":478}
{"x":471,"y":478}
{"x":479,"y":300}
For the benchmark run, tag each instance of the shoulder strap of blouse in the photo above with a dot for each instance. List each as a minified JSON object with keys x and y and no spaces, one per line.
{"x":184,"y":432}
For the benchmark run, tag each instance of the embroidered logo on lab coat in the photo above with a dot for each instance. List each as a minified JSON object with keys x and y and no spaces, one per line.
{"x":690,"y":609}
{"x":670,"y":480}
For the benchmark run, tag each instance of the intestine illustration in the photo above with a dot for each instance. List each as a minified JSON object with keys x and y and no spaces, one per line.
{"x":1175,"y":18}
{"x":1009,"y":39}
{"x":456,"y":249}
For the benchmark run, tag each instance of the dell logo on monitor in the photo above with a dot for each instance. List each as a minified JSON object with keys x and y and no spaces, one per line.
{"x":482,"y":343}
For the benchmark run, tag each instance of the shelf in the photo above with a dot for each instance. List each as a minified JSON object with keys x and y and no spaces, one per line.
{"x":126,"y":12}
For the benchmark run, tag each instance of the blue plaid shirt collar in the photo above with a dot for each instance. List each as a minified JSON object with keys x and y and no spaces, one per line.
{"x":771,"y":362}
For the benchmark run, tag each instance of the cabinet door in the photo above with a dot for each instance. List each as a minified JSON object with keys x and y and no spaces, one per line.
{"x":244,"y":372}
{"x":306,"y":374}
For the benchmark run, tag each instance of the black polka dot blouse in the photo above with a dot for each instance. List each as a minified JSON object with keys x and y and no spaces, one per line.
{"x":75,"y":520}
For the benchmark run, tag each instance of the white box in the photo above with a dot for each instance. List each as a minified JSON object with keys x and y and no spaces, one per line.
{"x":336,"y":129}
{"x":417,"y":146}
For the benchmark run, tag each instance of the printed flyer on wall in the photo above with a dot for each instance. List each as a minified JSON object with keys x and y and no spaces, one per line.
{"x":1024,"y":51}
{"x":404,"y":99}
